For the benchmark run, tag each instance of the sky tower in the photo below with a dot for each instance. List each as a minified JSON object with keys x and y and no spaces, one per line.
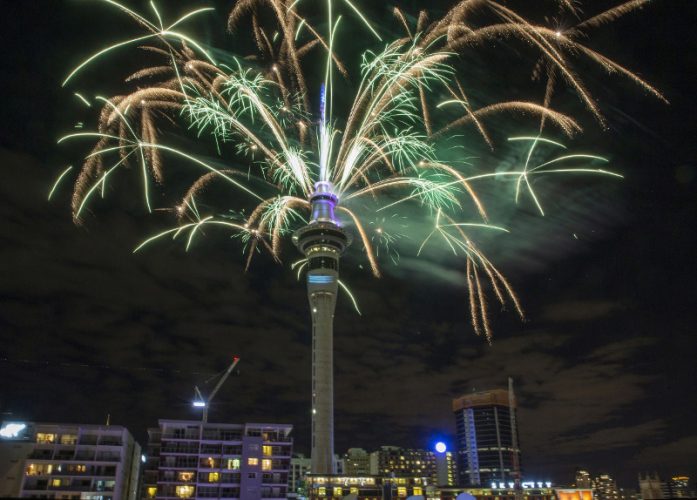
{"x":322,"y":241}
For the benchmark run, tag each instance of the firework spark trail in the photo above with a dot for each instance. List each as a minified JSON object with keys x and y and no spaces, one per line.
{"x":383,"y":157}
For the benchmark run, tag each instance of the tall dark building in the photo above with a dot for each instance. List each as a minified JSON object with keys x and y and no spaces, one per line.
{"x":679,"y":487}
{"x":487,"y":438}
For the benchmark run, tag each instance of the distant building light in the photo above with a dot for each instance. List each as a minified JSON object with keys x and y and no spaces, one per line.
{"x":143,"y":458}
{"x":12,"y":430}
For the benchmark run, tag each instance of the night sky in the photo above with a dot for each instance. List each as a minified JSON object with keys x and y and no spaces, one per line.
{"x":604,"y":363}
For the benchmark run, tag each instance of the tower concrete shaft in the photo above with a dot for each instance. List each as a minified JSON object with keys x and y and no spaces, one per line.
{"x":322,"y":242}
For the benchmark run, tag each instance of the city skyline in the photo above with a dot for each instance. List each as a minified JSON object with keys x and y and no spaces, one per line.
{"x":42,"y":449}
{"x":601,"y":365}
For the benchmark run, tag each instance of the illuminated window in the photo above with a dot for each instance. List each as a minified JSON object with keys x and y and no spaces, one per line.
{"x":39,"y":469}
{"x":338,"y":491}
{"x":55,"y":482}
{"x":211,"y":462}
{"x":252,"y":461}
{"x":186,"y":476}
{"x":45,"y":438}
{"x":322,"y":491}
{"x":266,"y":464}
{"x":354,"y":490}
{"x":401,"y":491}
{"x":233,"y":463}
{"x":213,"y":477}
{"x":80,"y":468}
{"x":68,"y":439}
{"x":185,"y":491}
{"x":267,"y":450}
{"x":401,"y":480}
{"x":152,"y":491}
{"x":418,"y":491}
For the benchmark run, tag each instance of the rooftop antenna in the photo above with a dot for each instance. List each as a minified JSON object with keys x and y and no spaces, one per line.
{"x":202,"y":402}
{"x":514,"y":431}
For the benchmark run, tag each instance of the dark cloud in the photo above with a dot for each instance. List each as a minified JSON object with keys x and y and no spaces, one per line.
{"x":676,"y":454}
{"x":578,"y":310}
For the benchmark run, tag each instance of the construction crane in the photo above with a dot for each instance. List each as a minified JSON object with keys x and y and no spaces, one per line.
{"x":201,"y":402}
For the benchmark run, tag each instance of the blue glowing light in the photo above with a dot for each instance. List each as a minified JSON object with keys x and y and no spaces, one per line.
{"x":320,"y":279}
{"x":440,"y":447}
{"x":199,"y":404}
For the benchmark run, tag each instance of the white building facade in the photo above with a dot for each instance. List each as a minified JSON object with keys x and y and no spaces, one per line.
{"x":192,"y":460}
{"x":72,"y":461}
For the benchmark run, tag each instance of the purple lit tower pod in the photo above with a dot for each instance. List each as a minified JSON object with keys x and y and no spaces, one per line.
{"x":322,"y":241}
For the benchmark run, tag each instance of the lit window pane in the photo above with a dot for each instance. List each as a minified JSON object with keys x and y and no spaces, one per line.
{"x":185,"y":491}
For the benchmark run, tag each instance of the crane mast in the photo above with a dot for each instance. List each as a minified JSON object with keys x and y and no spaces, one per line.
{"x":203,"y":402}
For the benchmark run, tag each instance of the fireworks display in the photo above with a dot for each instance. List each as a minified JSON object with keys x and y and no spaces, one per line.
{"x":380,"y":153}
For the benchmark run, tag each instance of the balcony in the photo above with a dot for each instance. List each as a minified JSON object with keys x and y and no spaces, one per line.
{"x":110,"y":442}
{"x":173,"y":448}
{"x":191,"y":436}
{"x":87,"y":440}
{"x":72,"y":487}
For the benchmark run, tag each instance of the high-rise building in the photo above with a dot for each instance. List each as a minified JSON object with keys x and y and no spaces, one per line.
{"x":192,"y":459}
{"x":679,"y":487}
{"x":446,"y":468}
{"x":487,"y":438}
{"x":583,"y":479}
{"x":605,"y":488}
{"x":356,"y":462}
{"x":651,"y":487}
{"x":70,"y":461}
